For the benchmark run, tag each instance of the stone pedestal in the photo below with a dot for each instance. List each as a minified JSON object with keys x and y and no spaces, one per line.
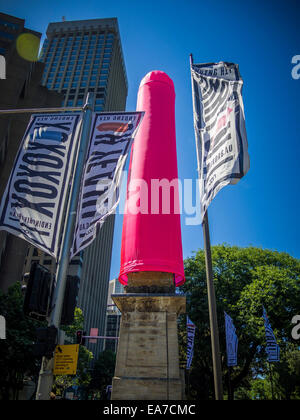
{"x":147,"y":366}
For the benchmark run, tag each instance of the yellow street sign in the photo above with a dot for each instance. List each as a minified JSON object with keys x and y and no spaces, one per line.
{"x":65,"y":359}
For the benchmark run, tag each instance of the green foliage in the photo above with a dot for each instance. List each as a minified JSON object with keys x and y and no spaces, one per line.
{"x":103,"y":371}
{"x":245,"y":279}
{"x":70,"y":330}
{"x":16,"y":357}
{"x":83,"y":376}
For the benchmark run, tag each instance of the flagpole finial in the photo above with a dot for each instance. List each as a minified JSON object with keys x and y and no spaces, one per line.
{"x":191,"y":59}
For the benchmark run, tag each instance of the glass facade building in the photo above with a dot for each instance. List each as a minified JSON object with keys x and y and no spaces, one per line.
{"x":86,"y":56}
{"x":113,"y":316}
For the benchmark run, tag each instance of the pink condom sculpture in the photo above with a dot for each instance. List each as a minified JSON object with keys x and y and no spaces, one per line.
{"x":151,"y":236}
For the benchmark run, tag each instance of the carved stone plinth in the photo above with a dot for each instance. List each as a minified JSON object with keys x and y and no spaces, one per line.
{"x":147,"y":366}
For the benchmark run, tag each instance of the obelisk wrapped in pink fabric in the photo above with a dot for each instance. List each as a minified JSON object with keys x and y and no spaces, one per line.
{"x":151,"y":237}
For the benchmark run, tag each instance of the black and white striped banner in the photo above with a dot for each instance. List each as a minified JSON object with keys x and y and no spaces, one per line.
{"x":221,"y":140}
{"x":231,"y":341}
{"x":33,"y":203}
{"x":111,"y":137}
{"x":272,"y":348}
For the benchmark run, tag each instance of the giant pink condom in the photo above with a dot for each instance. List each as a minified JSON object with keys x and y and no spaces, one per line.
{"x":151,"y":237}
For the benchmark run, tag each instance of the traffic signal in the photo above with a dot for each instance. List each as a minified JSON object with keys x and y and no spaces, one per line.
{"x":36,"y":299}
{"x":70,"y":299}
{"x":46,"y":342}
{"x":80,"y":337}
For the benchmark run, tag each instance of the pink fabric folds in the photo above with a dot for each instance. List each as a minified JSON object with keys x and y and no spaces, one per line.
{"x":151,"y":237}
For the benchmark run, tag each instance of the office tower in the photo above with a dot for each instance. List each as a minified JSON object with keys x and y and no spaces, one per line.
{"x":21,"y":88}
{"x":86,"y":56}
{"x":113,"y":316}
{"x":81,"y":57}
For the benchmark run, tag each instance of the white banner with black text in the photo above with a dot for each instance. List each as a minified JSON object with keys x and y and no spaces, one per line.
{"x":33,"y":203}
{"x":111,"y":138}
{"x":219,"y":122}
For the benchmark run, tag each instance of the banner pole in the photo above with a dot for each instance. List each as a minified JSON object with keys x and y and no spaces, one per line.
{"x":271,"y":380}
{"x":216,"y":357}
{"x":46,"y":374}
{"x":230,"y":390}
{"x":212,"y":307}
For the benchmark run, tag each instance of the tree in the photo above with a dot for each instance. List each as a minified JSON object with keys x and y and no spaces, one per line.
{"x":16,"y":356}
{"x":245,"y":279}
{"x":103,"y":371}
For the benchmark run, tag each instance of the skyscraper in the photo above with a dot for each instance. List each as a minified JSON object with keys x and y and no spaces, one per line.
{"x":80,"y":57}
{"x":113,"y":316}
{"x":86,"y":56}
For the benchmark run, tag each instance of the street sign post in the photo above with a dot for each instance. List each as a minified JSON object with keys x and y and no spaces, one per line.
{"x":65,"y":359}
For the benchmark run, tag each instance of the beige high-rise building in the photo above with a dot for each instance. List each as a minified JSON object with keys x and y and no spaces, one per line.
{"x":80,"y":57}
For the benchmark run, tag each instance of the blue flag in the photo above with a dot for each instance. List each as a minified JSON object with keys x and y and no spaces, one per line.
{"x":190,"y":342}
{"x":272,"y":348}
{"x":231,"y":341}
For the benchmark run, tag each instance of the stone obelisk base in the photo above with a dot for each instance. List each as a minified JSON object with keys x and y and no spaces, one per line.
{"x":147,"y":366}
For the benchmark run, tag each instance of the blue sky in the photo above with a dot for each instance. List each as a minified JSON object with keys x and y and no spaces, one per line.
{"x":262,"y":37}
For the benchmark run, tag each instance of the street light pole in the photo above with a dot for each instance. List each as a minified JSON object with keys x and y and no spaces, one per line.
{"x":46,"y":373}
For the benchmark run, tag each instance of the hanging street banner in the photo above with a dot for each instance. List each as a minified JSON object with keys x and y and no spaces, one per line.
{"x":111,"y":137}
{"x":33,"y":203}
{"x":191,"y":328}
{"x":219,"y":122}
{"x":272,"y":348}
{"x":231,"y":341}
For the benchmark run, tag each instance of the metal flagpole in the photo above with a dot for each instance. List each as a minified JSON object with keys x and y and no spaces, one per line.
{"x":46,"y":374}
{"x":271,"y":380}
{"x":212,"y":307}
{"x":230,"y":390}
{"x":216,"y":356}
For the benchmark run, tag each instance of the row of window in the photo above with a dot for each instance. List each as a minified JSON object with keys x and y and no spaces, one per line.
{"x":77,"y":69}
{"x":79,"y":102}
{"x":82,"y":48}
{"x":9,"y":25}
{"x":72,"y":59}
{"x":78,"y":40}
{"x":6,"y":35}
{"x":76,"y":76}
{"x":92,"y":83}
{"x":79,"y":36}
{"x":65,"y":61}
{"x":103,"y":75}
{"x":86,"y":72}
